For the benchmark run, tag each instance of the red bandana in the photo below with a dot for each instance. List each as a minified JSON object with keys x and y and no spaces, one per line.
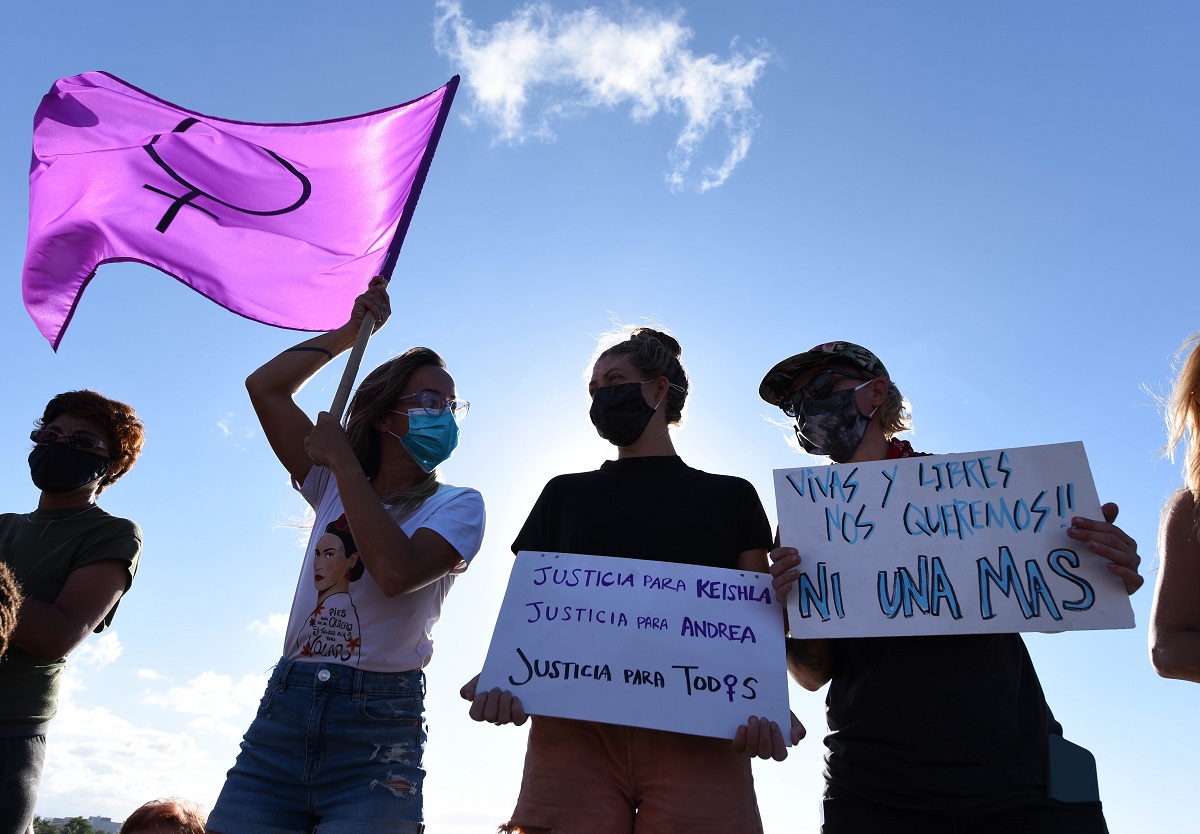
{"x":899,"y":449}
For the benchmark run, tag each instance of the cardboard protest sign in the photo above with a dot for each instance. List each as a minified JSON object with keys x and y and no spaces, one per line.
{"x":645,"y":644}
{"x":946,"y":544}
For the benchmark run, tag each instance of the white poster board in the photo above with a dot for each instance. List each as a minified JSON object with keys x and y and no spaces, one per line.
{"x":645,"y":644}
{"x":945,"y":544}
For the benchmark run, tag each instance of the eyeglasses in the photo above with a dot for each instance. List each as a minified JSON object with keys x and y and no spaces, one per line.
{"x":818,"y":388}
{"x":44,"y":437}
{"x":436,"y":402}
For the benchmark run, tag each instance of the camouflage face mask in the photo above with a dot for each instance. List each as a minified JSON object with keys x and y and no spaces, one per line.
{"x":832,"y":425}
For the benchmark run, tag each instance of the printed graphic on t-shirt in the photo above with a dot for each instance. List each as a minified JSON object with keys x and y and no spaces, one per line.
{"x":332,"y":631}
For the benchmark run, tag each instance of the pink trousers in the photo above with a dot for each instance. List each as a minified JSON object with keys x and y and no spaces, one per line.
{"x":587,"y":778}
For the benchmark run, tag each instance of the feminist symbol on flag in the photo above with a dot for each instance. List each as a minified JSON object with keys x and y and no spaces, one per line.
{"x":275,"y":245}
{"x":208,"y":155}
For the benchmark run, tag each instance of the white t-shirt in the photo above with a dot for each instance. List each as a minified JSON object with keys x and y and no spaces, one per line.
{"x":339,"y":614}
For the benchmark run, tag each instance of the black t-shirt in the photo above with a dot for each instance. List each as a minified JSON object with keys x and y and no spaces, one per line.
{"x":655,"y":508}
{"x":953,"y":723}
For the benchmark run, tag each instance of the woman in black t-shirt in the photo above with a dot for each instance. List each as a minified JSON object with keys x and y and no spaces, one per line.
{"x":584,"y":776}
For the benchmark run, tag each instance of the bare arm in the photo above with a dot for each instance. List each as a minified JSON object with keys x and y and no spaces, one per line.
{"x":273,"y":386}
{"x":809,"y":661}
{"x":52,"y":630}
{"x":398,"y":563}
{"x":1175,"y":616}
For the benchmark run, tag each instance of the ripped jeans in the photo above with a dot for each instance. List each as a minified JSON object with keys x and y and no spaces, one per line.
{"x":333,"y":749}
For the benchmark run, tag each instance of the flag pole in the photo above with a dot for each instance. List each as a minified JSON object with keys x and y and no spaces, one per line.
{"x":348,"y":375}
{"x":364,"y":332}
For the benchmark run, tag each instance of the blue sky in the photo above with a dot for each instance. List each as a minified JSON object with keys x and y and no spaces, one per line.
{"x":997,"y":198}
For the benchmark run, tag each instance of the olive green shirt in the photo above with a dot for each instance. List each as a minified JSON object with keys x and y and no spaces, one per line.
{"x":42,"y":548}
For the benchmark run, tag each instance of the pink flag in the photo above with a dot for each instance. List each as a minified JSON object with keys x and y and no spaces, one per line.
{"x":281,"y":223}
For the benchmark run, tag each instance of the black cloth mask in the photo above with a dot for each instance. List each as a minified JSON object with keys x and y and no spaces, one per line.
{"x":56,"y":467}
{"x":832,"y":425}
{"x":620,"y":413}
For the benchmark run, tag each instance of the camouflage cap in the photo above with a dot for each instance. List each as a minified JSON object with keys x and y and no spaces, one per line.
{"x":777,"y":384}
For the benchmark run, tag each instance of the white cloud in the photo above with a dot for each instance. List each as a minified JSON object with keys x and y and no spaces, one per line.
{"x":148,"y":675}
{"x":274,"y":626}
{"x":214,"y":701}
{"x":231,"y":427}
{"x":99,"y":652}
{"x":100,"y":763}
{"x":542,"y":64}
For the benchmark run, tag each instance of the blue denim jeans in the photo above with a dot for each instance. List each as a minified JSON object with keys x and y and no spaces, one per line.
{"x":333,"y":750}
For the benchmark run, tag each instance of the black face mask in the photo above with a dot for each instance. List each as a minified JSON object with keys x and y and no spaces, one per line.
{"x":56,"y":467}
{"x":620,"y":413}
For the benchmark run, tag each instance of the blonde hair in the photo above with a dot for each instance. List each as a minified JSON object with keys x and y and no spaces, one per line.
{"x":1183,"y":416}
{"x":895,"y":415}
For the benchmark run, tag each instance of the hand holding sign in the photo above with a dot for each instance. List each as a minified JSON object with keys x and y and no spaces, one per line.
{"x":493,"y":706}
{"x":761,"y":738}
{"x":1105,"y":538}
{"x":785,"y":571}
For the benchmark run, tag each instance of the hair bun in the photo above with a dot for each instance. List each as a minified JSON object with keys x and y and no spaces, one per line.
{"x":663,"y":339}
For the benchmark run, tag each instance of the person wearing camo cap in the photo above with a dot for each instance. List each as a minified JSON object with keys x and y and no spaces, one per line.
{"x":927,"y":734}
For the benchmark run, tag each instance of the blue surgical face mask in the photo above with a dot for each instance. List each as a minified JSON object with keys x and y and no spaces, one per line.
{"x":432,"y":436}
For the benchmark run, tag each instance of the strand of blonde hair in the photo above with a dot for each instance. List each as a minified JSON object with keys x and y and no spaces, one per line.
{"x":1183,"y":418}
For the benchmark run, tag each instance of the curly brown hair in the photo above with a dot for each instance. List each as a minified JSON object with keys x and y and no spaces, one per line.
{"x":10,"y":603}
{"x":119,"y":421}
{"x":178,"y":816}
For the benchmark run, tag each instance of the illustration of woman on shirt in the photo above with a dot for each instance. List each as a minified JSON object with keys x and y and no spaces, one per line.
{"x":333,"y":625}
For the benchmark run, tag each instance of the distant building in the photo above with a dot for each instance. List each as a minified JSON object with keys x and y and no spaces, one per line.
{"x":98,"y":823}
